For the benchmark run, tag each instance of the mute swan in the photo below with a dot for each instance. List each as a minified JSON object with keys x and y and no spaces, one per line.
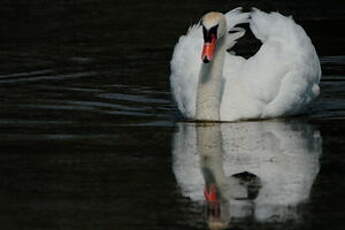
{"x":279,"y":80}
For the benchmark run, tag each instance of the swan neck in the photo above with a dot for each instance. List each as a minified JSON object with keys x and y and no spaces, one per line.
{"x":210,"y":86}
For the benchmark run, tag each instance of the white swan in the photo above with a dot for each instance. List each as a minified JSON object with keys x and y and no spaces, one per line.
{"x":209,"y":83}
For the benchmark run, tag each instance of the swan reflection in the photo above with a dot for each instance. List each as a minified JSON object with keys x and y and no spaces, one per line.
{"x":260,"y":170}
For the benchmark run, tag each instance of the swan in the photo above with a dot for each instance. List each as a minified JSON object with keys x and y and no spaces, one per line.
{"x":208,"y":83}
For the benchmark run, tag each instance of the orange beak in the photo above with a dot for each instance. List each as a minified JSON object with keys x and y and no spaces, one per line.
{"x":209,"y":50}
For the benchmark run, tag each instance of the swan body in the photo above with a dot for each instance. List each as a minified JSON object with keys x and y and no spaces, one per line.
{"x":281,"y":79}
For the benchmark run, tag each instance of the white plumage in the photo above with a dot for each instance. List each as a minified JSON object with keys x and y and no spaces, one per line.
{"x":279,"y":80}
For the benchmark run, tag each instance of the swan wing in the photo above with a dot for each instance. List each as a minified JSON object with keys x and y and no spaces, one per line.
{"x":281,"y":78}
{"x":185,"y":66}
{"x":235,"y":17}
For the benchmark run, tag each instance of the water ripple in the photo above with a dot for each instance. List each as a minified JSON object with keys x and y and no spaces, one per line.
{"x":132,"y":98}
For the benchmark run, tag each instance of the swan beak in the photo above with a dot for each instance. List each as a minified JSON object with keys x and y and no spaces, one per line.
{"x":209,"y":50}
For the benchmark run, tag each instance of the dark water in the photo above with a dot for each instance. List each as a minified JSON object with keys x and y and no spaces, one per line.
{"x":89,"y":138}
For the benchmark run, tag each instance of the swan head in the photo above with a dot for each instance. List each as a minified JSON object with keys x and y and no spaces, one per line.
{"x":214,"y":27}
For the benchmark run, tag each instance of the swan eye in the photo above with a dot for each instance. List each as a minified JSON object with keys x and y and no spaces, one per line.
{"x":209,"y":34}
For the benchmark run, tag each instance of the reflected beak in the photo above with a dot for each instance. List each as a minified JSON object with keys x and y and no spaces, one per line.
{"x":209,"y":50}
{"x":210,"y":193}
{"x":213,"y":204}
